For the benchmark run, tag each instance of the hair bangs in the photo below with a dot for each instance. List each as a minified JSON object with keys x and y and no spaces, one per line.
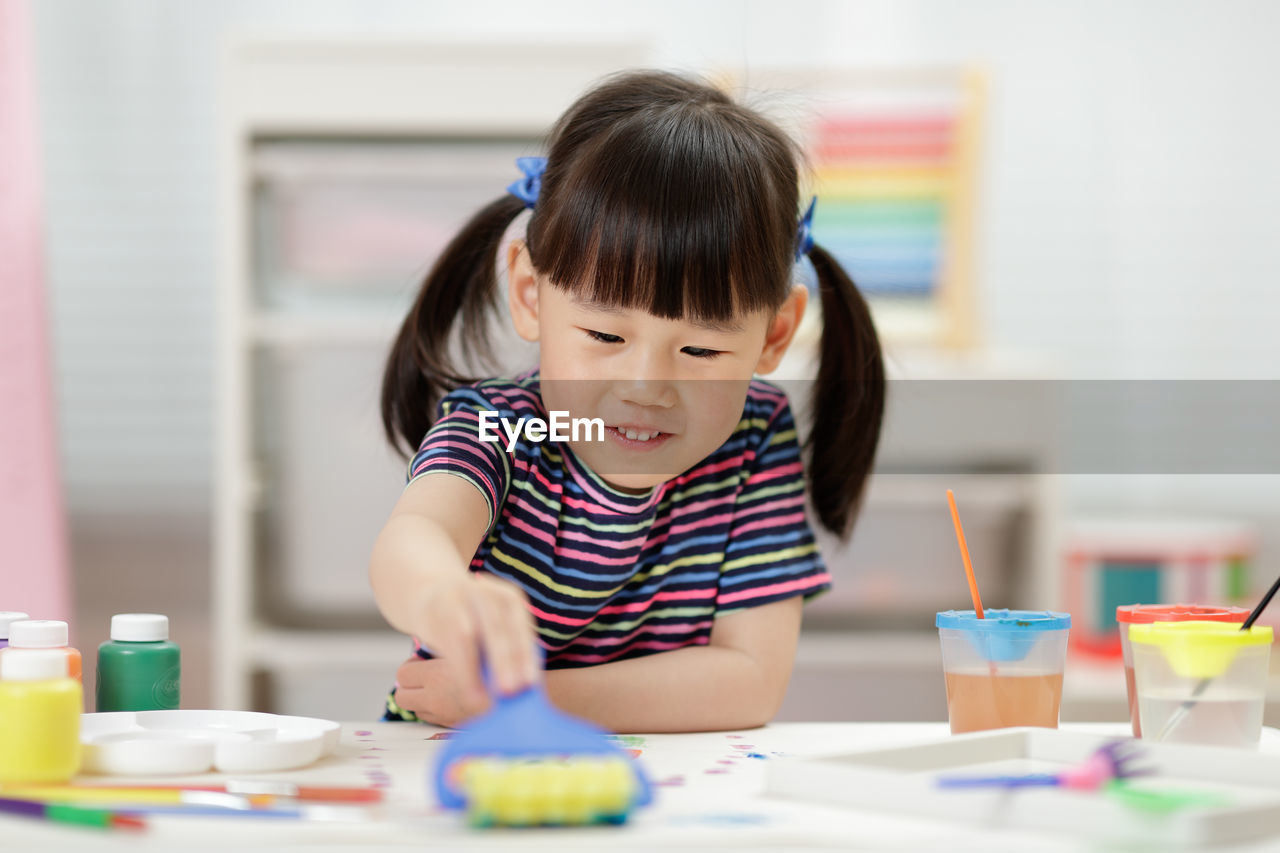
{"x":668,"y":212}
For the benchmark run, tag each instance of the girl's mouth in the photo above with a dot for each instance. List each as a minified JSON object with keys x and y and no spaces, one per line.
{"x":636,"y":439}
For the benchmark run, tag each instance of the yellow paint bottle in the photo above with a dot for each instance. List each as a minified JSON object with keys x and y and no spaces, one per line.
{"x":39,"y":717}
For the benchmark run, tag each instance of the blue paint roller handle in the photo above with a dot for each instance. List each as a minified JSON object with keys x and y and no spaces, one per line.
{"x":1032,"y":780}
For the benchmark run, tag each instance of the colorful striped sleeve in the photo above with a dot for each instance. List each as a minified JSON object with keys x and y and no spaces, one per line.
{"x":772,"y":553}
{"x":454,"y":446}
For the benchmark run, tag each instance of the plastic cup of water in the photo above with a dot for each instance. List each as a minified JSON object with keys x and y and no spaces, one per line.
{"x":1145,"y":614}
{"x":1201,"y":682}
{"x":1004,"y":670}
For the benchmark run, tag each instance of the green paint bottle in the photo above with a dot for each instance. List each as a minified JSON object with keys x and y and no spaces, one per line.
{"x":138,"y":668}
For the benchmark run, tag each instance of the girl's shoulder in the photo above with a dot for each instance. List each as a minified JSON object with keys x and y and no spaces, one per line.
{"x":519,"y":396}
{"x":766,"y":422}
{"x":766,"y":407}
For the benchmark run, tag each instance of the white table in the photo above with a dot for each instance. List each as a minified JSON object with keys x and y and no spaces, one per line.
{"x":708,"y":796}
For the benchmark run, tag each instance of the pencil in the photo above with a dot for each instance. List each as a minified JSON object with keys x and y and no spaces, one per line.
{"x":74,"y":815}
{"x":252,"y":792}
{"x":98,"y":795}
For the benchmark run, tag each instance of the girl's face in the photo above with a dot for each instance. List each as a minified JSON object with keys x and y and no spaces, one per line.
{"x":668,"y":391}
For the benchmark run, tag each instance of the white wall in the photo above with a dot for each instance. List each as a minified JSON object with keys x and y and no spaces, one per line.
{"x":1127,"y":215}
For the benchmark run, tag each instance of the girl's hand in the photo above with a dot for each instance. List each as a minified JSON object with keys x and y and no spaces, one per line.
{"x":428,"y":688}
{"x":421,"y":578}
{"x":479,"y":614}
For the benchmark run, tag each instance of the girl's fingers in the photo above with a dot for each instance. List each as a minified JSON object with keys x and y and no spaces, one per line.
{"x":430,"y":709}
{"x":428,"y":688}
{"x":459,"y":649}
{"x":507,"y":634}
{"x":411,"y":674}
{"x":527,"y":664}
{"x":498,"y":641}
{"x":415,"y":699}
{"x":467,"y":661}
{"x":489,"y":616}
{"x":531,"y":661}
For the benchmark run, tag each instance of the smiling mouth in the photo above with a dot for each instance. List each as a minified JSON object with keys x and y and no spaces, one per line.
{"x":638,"y":434}
{"x":638,"y":438}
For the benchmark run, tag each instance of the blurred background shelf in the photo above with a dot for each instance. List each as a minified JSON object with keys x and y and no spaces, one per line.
{"x":358,"y":326}
{"x":301,"y":649}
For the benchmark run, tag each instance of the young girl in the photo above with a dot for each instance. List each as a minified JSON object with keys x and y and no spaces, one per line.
{"x":657,"y":560}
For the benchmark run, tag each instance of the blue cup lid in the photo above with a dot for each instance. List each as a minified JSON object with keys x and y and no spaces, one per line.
{"x":1001,"y":619}
{"x":1003,"y":635}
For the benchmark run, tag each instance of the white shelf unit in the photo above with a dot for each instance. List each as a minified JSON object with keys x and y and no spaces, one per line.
{"x":314,"y":91}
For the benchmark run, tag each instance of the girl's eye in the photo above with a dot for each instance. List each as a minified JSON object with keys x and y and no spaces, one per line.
{"x":602,"y":337}
{"x":700,"y":352}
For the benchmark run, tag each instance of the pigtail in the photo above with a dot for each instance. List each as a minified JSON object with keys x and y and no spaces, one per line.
{"x":848,"y":399}
{"x":420,"y":367}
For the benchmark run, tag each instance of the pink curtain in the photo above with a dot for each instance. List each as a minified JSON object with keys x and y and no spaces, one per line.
{"x":33,"y":549}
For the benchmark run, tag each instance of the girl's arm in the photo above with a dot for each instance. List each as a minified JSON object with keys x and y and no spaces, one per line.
{"x":736,"y":682}
{"x":423,"y":586}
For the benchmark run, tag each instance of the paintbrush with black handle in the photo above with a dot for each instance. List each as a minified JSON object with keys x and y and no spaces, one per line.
{"x":1180,"y":713}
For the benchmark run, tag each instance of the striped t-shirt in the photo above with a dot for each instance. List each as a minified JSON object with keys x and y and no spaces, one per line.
{"x":611,"y":575}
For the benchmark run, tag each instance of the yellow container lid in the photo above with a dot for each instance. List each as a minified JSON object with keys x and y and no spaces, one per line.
{"x":1199,"y":649}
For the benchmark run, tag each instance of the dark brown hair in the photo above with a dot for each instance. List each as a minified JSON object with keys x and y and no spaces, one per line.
{"x":663,"y":194}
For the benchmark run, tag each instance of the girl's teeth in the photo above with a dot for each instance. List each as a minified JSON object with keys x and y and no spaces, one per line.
{"x":639,"y":436}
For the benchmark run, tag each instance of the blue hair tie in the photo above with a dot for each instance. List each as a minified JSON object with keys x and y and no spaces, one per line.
{"x":527,"y":188}
{"x":804,"y":231}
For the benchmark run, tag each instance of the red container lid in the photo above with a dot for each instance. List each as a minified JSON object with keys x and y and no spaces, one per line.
{"x":1140,"y":614}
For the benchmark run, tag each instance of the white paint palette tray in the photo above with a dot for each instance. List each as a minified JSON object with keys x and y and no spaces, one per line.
{"x":186,"y":742}
{"x":1241,"y":788}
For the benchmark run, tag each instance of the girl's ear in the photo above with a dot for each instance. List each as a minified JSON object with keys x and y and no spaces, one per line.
{"x":782,"y":328}
{"x":522,"y":291}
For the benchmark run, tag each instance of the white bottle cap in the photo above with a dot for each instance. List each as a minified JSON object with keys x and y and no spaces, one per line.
{"x":139,"y":627}
{"x":33,"y":664}
{"x":38,"y":634}
{"x":7,"y":618}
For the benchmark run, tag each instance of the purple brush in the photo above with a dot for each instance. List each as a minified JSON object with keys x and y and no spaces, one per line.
{"x":1113,"y":760}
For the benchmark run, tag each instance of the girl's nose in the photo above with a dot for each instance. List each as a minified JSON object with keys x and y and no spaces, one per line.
{"x":647,"y":392}
{"x":648,"y":380}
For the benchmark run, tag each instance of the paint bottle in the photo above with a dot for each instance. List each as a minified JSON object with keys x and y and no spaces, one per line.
{"x":7,"y":618}
{"x":39,"y":717}
{"x":44,"y":634}
{"x":138,"y":668}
